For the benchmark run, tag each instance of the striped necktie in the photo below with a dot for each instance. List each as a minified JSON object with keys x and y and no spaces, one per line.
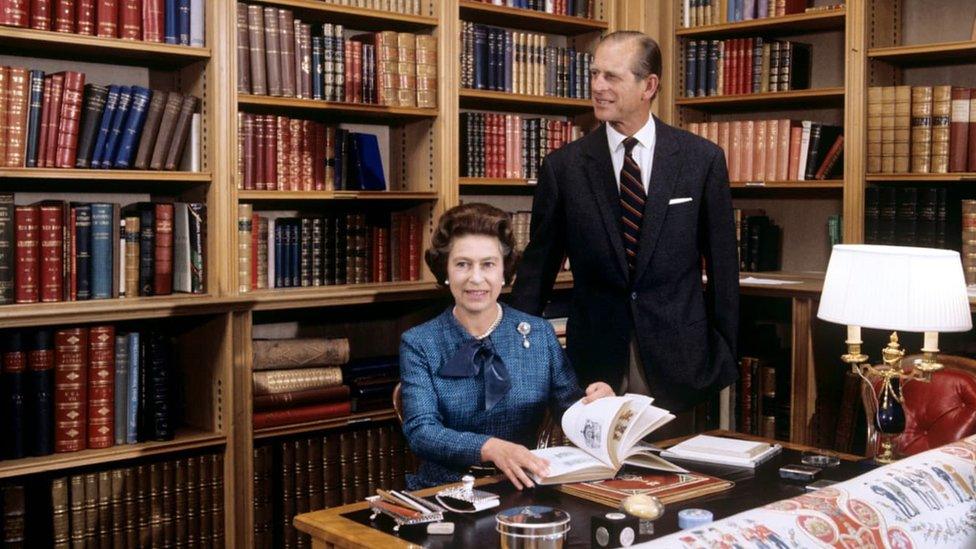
{"x":632,"y":198}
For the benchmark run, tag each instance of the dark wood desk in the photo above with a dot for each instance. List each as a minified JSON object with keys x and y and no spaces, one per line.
{"x":349,"y":526}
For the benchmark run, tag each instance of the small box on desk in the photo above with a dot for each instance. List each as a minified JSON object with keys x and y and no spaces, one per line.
{"x":613,"y":530}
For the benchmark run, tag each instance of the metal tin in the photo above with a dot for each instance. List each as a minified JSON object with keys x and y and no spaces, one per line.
{"x":532,"y":527}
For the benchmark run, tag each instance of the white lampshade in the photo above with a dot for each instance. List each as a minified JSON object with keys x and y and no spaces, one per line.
{"x":895,"y":288}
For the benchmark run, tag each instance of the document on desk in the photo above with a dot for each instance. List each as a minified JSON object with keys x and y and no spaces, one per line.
{"x":767,"y":281}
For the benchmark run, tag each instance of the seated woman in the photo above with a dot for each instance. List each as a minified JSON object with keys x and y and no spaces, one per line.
{"x":478,"y":379}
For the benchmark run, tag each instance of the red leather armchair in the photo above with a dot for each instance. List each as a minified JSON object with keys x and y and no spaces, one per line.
{"x":936,"y":413}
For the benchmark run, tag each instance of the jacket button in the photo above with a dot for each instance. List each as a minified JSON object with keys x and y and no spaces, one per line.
{"x":633,"y":296}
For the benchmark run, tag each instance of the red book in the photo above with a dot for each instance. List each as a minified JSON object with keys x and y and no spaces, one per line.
{"x":64,"y":16}
{"x":40,"y":14}
{"x":260,"y":145}
{"x":152,"y":21}
{"x":108,"y":18}
{"x":73,"y":255}
{"x":250,"y":146}
{"x":54,"y":117}
{"x":163,"y":281}
{"x":270,"y":151}
{"x":67,"y":146}
{"x":27,"y":232}
{"x":86,"y":17}
{"x":70,"y":389}
{"x":45,"y":120}
{"x":413,"y":248}
{"x":308,"y":172}
{"x":357,"y":71}
{"x":381,"y":242}
{"x":52,"y":251}
{"x":318,"y":156}
{"x":13,"y":13}
{"x":301,"y":414}
{"x":101,"y":387}
{"x":130,"y":20}
{"x":959,"y":129}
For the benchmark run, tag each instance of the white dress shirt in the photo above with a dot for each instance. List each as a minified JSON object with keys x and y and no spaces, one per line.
{"x":643,"y":152}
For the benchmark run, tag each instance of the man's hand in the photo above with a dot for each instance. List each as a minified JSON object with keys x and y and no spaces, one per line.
{"x":597,"y":391}
{"x":512,"y":459}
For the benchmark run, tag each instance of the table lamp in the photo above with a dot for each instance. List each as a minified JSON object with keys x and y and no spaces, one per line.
{"x":894,"y":288}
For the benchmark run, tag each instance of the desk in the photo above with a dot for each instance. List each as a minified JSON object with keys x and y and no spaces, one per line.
{"x":349,"y":526}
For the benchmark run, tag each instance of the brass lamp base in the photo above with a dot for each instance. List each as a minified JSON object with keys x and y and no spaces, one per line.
{"x":887,"y":454}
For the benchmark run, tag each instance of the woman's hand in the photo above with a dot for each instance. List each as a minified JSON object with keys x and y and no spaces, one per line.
{"x":596,"y":391}
{"x":512,"y":459}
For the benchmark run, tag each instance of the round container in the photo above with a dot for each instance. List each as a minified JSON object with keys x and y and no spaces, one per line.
{"x":532,"y":527}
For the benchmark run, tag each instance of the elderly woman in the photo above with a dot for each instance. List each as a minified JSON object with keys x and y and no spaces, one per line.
{"x":478,"y":379}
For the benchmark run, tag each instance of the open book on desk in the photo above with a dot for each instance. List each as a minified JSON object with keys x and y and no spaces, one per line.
{"x":607,"y":434}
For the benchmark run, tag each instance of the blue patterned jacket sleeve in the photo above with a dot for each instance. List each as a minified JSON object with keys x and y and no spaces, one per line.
{"x":423,"y":425}
{"x":564,"y":388}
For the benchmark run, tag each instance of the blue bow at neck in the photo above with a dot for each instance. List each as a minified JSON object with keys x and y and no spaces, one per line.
{"x":478,"y":355}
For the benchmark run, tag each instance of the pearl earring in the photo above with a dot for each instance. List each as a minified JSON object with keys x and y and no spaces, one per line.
{"x":447,"y":282}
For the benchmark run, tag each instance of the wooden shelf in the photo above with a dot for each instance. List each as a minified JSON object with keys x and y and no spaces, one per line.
{"x":772,"y":26}
{"x":967,"y":177}
{"x":99,"y":175}
{"x":944,"y":53}
{"x":274,"y":196}
{"x":348,"y":111}
{"x":358,"y":18}
{"x":324,"y":424}
{"x":113,"y":310}
{"x":495,"y":100}
{"x":805,"y":98}
{"x":526,"y":19}
{"x":20,"y":41}
{"x":348,"y":294}
{"x":186,"y":439}
{"x":496,"y":182}
{"x":790,"y":185}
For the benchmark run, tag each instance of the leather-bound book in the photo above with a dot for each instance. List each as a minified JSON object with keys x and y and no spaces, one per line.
{"x":875,"y":116}
{"x":132,"y":236}
{"x":91,"y":117}
{"x":959,"y":129}
{"x":105,"y":227}
{"x":116,"y":127}
{"x":244,"y":231}
{"x":91,"y":509}
{"x":103,"y":510}
{"x":261,"y":492}
{"x":131,"y":19}
{"x":902,"y":129}
{"x":285,"y":24}
{"x":303,"y":61}
{"x":163,"y":249}
{"x":305,"y":253}
{"x":283,"y":381}
{"x":941,"y":120}
{"x":130,"y":513}
{"x":331,"y":470}
{"x":27,"y":250}
{"x":272,"y":51}
{"x":316,"y":482}
{"x":76,"y":510}
{"x":193,"y":500}
{"x":40,"y":387}
{"x":156,"y":504}
{"x":383,"y":458}
{"x":70,"y":389}
{"x":104,"y":126}
{"x":132,"y":128}
{"x":107,"y":15}
{"x":64,"y":16}
{"x":69,"y":120}
{"x":256,"y":44}
{"x":926,"y":217}
{"x":301,"y":414}
{"x":85,"y":17}
{"x":101,"y":386}
{"x":17,"y":95}
{"x":53,"y":117}
{"x":971,"y":156}
{"x":921,"y":129}
{"x":60,"y":525}
{"x":168,"y":504}
{"x":318,"y":240}
{"x":301,"y":477}
{"x":207,"y":497}
{"x":14,"y":515}
{"x":40,"y":14}
{"x":35,"y":107}
{"x":143,"y":513}
{"x":299,"y":352}
{"x":216,"y":462}
{"x":13,"y":384}
{"x":180,"y":502}
{"x":372,"y":460}
{"x":159,"y":383}
{"x":167,"y":126}
{"x":52,"y":249}
{"x":150,"y":129}
{"x":906,"y":216}
{"x":181,"y":132}
{"x":116,"y":508}
{"x":121,"y":380}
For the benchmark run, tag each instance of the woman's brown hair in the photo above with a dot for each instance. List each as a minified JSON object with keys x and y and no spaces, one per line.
{"x":471,"y":219}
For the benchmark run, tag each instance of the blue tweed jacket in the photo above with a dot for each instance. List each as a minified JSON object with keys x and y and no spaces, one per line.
{"x":444,"y":419}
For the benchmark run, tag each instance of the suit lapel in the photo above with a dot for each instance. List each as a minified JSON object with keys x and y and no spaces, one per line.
{"x":599,"y":172}
{"x":664,"y":173}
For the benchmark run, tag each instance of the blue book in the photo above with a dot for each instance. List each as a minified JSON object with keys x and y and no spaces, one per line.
{"x":279,"y":281}
{"x":34,"y":117}
{"x":40,"y":385}
{"x":115,"y":130}
{"x":480,"y":56}
{"x":340,"y":152}
{"x":730,"y":11}
{"x":369,"y":163}
{"x":132,"y":402}
{"x":132,"y":129}
{"x":317,"y":67}
{"x":169,"y":22}
{"x":111,"y":102}
{"x":121,"y":385}
{"x":103,"y":243}
{"x":183,"y":22}
{"x":83,"y":223}
{"x":508,"y":61}
{"x":691,"y":57}
{"x":294,"y":253}
{"x":762,"y":10}
{"x":571,"y":77}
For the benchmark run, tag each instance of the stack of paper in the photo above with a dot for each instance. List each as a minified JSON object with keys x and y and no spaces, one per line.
{"x":727,"y":451}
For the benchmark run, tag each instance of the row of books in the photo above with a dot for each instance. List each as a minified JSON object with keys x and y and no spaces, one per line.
{"x":70,"y":389}
{"x":58,"y":121}
{"x":306,"y":474}
{"x":281,"y":56}
{"x":921,"y":129}
{"x":761,"y":396}
{"x":574,"y":8}
{"x":510,"y":145}
{"x":291,"y":154}
{"x":172,"y":503}
{"x":409,"y":7}
{"x":745,"y":65}
{"x":498,"y":59}
{"x":54,"y":251}
{"x":283,"y":251}
{"x":969,"y":240}
{"x":777,"y":150}
{"x":716,"y":12}
{"x":905,"y":216}
{"x":759,"y":240}
{"x":164,"y":21}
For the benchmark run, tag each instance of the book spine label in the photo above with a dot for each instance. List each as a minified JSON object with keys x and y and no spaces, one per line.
{"x":70,"y":389}
{"x":101,"y":387}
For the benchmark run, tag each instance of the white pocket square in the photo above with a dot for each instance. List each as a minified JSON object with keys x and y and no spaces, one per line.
{"x":674,"y":201}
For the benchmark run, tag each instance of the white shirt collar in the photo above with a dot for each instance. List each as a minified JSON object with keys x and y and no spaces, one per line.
{"x":645,"y":136}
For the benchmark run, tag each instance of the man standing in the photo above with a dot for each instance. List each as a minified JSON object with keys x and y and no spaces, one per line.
{"x":638,"y":205}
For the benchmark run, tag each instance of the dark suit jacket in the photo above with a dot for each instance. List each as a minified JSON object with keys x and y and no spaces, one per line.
{"x":686,"y":332}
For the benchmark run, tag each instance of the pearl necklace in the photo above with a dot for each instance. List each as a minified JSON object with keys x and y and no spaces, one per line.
{"x":494,"y":324}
